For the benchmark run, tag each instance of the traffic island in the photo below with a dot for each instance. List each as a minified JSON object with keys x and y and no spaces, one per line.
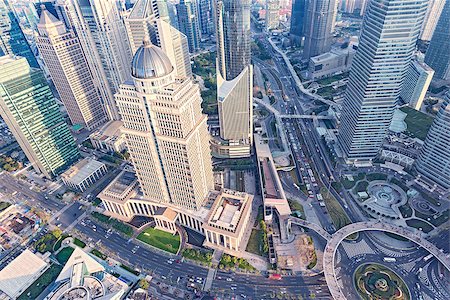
{"x":374,"y":281}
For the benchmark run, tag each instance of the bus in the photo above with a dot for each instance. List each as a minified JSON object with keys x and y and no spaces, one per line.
{"x":426,"y":258}
{"x":389,"y":259}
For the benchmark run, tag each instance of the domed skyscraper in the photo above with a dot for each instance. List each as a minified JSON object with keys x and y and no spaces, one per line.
{"x":166,"y":132}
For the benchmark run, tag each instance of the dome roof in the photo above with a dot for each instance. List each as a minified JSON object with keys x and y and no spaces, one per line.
{"x":150,"y":61}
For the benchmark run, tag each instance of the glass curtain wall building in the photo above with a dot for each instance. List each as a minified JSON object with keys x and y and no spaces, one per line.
{"x":12,"y":39}
{"x":387,"y":42}
{"x":29,"y":109}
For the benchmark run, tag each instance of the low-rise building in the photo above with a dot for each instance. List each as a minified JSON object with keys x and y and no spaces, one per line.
{"x":83,"y":174}
{"x":109,"y":137}
{"x":330,"y":63}
{"x":83,"y":278}
{"x":123,"y":200}
{"x":227,"y":220}
{"x":19,"y":274}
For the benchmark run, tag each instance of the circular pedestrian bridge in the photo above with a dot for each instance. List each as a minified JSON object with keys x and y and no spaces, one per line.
{"x":334,"y":240}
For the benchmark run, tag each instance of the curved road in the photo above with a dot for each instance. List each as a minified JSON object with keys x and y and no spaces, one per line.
{"x":341,"y":234}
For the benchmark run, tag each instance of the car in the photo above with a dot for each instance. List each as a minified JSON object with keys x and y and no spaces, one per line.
{"x":229,"y":279}
{"x":170,"y":262}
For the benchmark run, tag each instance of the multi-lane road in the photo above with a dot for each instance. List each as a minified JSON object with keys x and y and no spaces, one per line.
{"x":226,"y":284}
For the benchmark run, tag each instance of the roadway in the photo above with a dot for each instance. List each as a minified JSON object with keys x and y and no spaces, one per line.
{"x":155,"y":263}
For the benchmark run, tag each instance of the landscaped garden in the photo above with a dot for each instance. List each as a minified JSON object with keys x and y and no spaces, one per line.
{"x":63,"y":256}
{"x":160,"y":239}
{"x":116,"y":224}
{"x":337,"y":213}
{"x":229,"y":262}
{"x":204,"y":257}
{"x":41,"y":283}
{"x":418,"y":123}
{"x":375,"y":281}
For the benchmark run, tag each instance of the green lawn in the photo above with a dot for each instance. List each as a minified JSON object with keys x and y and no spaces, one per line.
{"x":254,"y":242}
{"x":160,"y":239}
{"x":418,"y":123}
{"x":99,"y":254}
{"x":416,"y":223}
{"x":337,"y":213}
{"x":41,"y":283}
{"x":79,"y":243}
{"x":64,"y":254}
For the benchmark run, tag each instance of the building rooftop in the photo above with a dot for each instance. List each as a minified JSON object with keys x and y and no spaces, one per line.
{"x":110,"y":129}
{"x":83,"y":278}
{"x":81,"y":170}
{"x":121,"y":186}
{"x":20,"y":273}
{"x":228,"y":209}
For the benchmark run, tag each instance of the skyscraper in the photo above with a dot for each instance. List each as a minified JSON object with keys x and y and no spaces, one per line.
{"x":206,"y":17}
{"x":434,"y":159}
{"x":378,"y":69}
{"x":144,"y":21}
{"x":166,"y":132}
{"x":234,"y":76}
{"x":103,"y":37}
{"x":438,"y":54}
{"x":297,"y":19}
{"x":431,"y":18}
{"x":416,"y":83}
{"x":12,"y":39}
{"x":32,"y":114}
{"x":319,"y":23}
{"x":64,"y":58}
{"x":272,"y":14}
{"x":188,"y":23}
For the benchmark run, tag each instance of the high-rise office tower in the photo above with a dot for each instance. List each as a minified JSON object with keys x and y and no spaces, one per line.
{"x":353,"y":6}
{"x":12,"y":39}
{"x":434,"y":11}
{"x":64,"y":10}
{"x":144,"y":21}
{"x":65,"y":60}
{"x":272,"y":14}
{"x":297,"y":19}
{"x":206,"y":17}
{"x":416,"y":83}
{"x":102,"y":34}
{"x":438,"y":54}
{"x":319,"y":24}
{"x":434,"y":159}
{"x":188,"y":23}
{"x":165,"y":130}
{"x":387,"y":42}
{"x":234,"y":76}
{"x":32,"y":114}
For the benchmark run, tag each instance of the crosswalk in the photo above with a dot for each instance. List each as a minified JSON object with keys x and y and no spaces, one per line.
{"x":355,"y":249}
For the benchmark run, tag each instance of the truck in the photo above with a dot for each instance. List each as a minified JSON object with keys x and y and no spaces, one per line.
{"x":389,"y":259}
{"x":275,"y":276}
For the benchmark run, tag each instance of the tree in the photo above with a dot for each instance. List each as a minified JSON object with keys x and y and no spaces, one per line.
{"x":312,"y":295}
{"x":57,"y":233}
{"x":143,"y":284}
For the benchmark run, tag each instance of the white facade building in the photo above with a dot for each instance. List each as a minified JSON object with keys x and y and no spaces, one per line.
{"x":102,"y":35}
{"x":84,"y":174}
{"x":64,"y":58}
{"x":272,"y":14}
{"x":165,"y":131}
{"x":330,"y":63}
{"x":432,"y":15}
{"x":416,"y":84}
{"x":109,"y":137}
{"x":144,"y":21}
